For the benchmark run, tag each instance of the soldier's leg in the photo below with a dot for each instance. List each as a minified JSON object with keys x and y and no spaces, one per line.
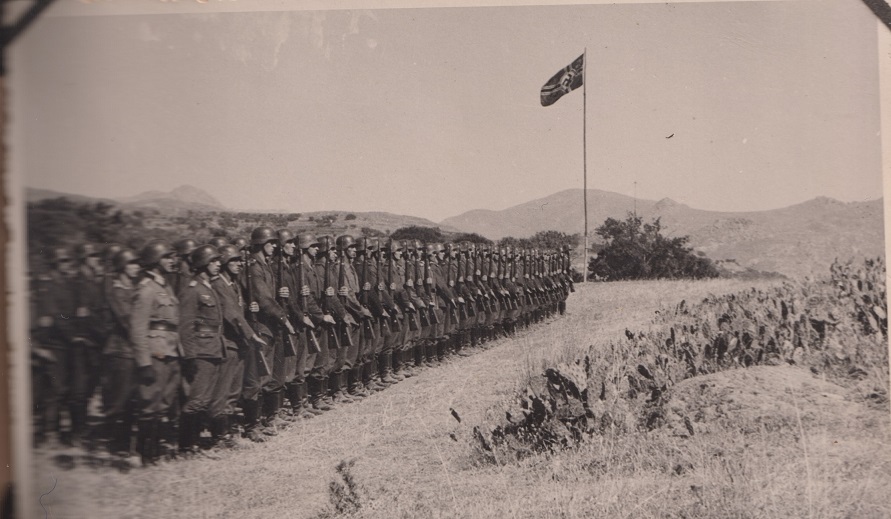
{"x":252,"y":384}
{"x":218,"y":411}
{"x":155,"y":401}
{"x":274,"y":385}
{"x":78,"y":377}
{"x":236,"y":386}
{"x":202,"y":383}
{"x":316,"y":381}
{"x":118,"y":390}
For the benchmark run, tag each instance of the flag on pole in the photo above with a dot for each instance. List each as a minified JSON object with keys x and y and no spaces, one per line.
{"x":563,"y":82}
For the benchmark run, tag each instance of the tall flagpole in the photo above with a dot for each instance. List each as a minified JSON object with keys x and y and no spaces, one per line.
{"x":585,"y":152}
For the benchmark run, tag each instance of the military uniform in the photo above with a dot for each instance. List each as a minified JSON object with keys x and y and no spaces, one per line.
{"x":201,"y":333}
{"x":120,"y":383}
{"x":57,"y":332}
{"x":236,"y":336}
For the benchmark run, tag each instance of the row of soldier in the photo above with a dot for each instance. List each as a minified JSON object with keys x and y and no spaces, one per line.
{"x":181,"y":338}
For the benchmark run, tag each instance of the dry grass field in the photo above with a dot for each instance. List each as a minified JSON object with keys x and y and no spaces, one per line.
{"x":775,"y":441}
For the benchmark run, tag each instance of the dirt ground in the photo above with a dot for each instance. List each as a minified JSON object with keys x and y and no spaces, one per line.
{"x":411,"y":457}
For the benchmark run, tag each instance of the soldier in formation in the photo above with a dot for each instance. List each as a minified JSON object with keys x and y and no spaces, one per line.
{"x":241,"y":339}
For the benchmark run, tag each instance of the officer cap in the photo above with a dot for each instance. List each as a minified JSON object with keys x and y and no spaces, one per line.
{"x":185,"y":246}
{"x":218,"y":241}
{"x":262,"y":236}
{"x":153,"y":252}
{"x":203,"y":255}
{"x":305,"y":241}
{"x":123,"y":258}
{"x":241,"y":243}
{"x":344,"y":242}
{"x":284,"y":236}
{"x":229,"y":253}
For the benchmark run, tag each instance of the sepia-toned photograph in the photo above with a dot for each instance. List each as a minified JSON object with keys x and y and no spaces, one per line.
{"x":470,"y":261}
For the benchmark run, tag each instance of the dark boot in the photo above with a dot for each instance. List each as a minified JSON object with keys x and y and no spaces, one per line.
{"x":354,"y":383}
{"x":335,"y":389}
{"x":390,"y":362}
{"x":144,"y":441}
{"x":372,"y":376}
{"x":219,"y":431}
{"x":317,"y":387}
{"x":306,"y":408}
{"x":386,"y":372}
{"x":251,"y":410}
{"x":341,"y":388}
{"x":188,"y":437}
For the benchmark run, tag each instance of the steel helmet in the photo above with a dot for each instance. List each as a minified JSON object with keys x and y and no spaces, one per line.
{"x":408,"y":245}
{"x":305,"y":241}
{"x":344,"y":242}
{"x":284,"y":236}
{"x":185,"y":246}
{"x":85,"y":249}
{"x":262,"y":236}
{"x":122,"y":258}
{"x":60,"y":254}
{"x":218,"y":241}
{"x":392,"y":244}
{"x":363,"y":244}
{"x":154,"y":251}
{"x":433,"y":248}
{"x":229,"y":253}
{"x":326,"y":242}
{"x":203,"y":255}
{"x":241,"y":243}
{"x":108,"y":253}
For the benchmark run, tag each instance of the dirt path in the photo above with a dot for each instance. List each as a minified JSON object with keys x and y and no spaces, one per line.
{"x":405,"y":459}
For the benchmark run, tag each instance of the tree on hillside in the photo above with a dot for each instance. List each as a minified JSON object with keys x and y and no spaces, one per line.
{"x":637,"y":250}
{"x":471,"y":237}
{"x":417,"y":232}
{"x":544,"y":240}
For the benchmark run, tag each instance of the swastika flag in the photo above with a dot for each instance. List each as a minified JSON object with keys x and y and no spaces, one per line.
{"x":563,"y":82}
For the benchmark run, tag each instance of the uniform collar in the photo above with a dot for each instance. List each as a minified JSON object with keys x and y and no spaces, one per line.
{"x":157,"y":278}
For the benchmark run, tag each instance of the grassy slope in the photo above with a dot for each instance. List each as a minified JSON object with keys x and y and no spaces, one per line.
{"x":408,"y":466}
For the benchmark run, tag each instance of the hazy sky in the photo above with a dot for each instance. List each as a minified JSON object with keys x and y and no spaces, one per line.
{"x":432,"y":112}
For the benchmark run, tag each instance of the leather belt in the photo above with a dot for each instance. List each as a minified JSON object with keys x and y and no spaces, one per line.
{"x":207,"y":329}
{"x":163,"y":326}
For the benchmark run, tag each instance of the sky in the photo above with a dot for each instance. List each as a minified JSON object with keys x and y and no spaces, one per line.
{"x":432,"y":112}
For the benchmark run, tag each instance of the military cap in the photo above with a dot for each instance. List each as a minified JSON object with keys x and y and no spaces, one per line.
{"x":203,"y":255}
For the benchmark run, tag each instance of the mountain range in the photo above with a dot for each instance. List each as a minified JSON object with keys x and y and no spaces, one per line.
{"x":801,"y":239}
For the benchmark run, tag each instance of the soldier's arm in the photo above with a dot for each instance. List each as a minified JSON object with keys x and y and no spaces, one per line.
{"x":264,"y":295}
{"x":120,"y":303}
{"x":188,"y":304}
{"x":140,"y":314}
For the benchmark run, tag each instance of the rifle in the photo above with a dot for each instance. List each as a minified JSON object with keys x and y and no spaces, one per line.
{"x":345,"y":338}
{"x":311,"y":340}
{"x":363,"y":294}
{"x":527,"y":285}
{"x":482,"y":306}
{"x":290,"y":350}
{"x":434,"y":319}
{"x":467,"y":306}
{"x":452,"y":304}
{"x":412,"y":318}
{"x":333,"y":337}
{"x":422,"y":311}
{"x":262,"y":366}
{"x":385,"y":319}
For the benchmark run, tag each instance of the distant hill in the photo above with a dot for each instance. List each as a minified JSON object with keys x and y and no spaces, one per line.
{"x":181,"y":198}
{"x":798,"y":240}
{"x":36,"y":195}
